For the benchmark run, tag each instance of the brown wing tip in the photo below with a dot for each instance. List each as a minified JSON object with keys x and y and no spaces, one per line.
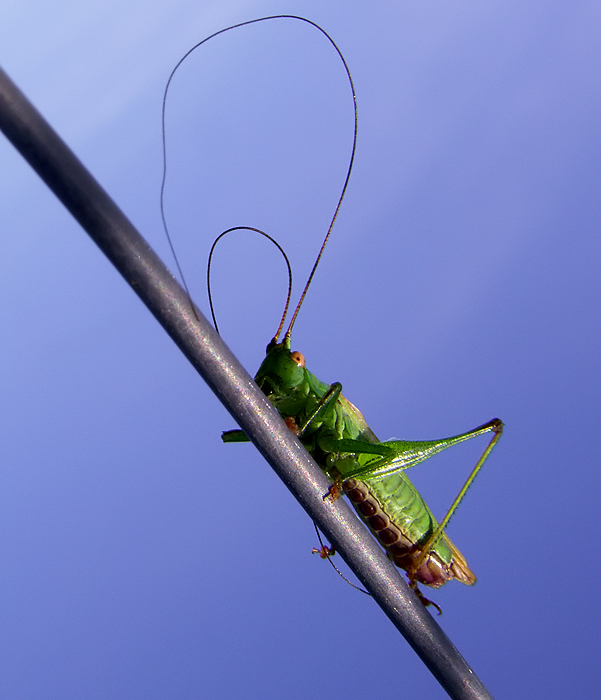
{"x":461,"y":571}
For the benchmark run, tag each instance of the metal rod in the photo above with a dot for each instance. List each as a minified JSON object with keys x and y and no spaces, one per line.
{"x":141,"y":268}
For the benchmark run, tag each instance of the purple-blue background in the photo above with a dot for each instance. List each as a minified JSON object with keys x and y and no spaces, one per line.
{"x":142,"y":558}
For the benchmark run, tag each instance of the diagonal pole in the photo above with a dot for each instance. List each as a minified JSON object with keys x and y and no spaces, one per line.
{"x":142,"y":269}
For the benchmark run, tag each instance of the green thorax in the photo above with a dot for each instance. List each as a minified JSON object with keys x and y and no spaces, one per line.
{"x":296,"y":393}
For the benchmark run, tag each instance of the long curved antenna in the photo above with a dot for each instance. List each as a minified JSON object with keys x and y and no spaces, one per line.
{"x":276,"y":244}
{"x":346,"y":181}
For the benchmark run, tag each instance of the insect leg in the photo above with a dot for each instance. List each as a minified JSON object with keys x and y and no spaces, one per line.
{"x":327,"y":400}
{"x":495,"y":426}
{"x":398,"y":455}
{"x":236,"y":435}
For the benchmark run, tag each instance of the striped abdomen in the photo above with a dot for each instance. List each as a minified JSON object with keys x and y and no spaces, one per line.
{"x":399,"y":518}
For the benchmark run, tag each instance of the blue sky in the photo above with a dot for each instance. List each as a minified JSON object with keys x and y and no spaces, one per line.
{"x":141,"y":557}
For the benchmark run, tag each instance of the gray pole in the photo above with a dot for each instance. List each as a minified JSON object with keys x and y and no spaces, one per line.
{"x":50,"y":157}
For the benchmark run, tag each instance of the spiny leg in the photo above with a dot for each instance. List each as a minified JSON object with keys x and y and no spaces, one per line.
{"x":326,"y":552}
{"x":328,"y":399}
{"x":496,"y":426}
{"x":393,"y":456}
{"x":423,"y":600}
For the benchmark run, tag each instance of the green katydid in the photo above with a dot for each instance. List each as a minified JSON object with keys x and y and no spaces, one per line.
{"x":371,"y":473}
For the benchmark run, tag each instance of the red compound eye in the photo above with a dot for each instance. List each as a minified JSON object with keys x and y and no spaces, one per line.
{"x":298,"y":358}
